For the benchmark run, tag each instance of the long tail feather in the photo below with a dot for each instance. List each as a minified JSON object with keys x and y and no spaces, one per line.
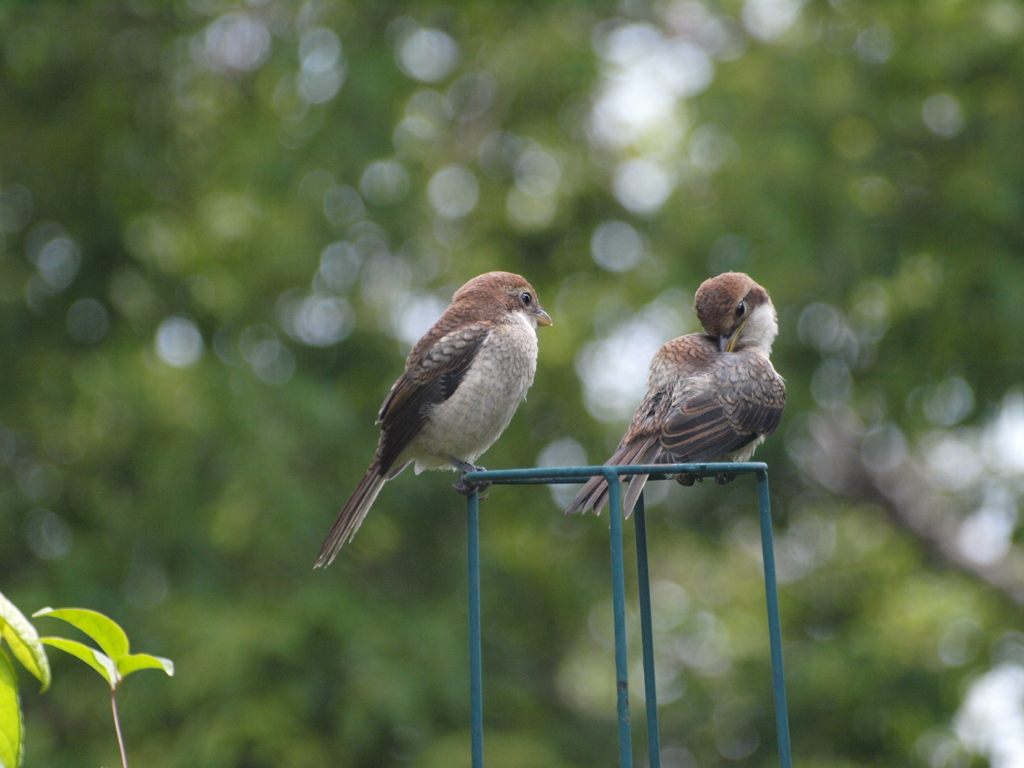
{"x":594,"y":494}
{"x":351,"y":515}
{"x":636,"y":486}
{"x":591,"y":496}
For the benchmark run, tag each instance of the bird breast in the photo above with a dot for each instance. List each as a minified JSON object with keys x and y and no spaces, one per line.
{"x":467,"y":424}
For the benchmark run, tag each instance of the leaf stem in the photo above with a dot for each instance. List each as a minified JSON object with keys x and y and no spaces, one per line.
{"x":117,"y":727}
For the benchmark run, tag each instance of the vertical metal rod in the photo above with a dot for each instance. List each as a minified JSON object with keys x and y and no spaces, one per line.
{"x":647,"y":634}
{"x":774,"y":631}
{"x":619,"y":611}
{"x":476,"y":695}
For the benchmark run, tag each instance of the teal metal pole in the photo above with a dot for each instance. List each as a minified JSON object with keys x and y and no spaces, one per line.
{"x":774,"y":625}
{"x":619,"y":612}
{"x":575,"y":474}
{"x":647,"y":634}
{"x":476,"y":694}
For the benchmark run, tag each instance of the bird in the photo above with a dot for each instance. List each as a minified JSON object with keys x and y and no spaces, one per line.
{"x":462,"y":383}
{"x":711,"y":396}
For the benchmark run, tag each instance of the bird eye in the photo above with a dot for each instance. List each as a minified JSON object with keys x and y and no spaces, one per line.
{"x":741,"y":309}
{"x":527,"y":298}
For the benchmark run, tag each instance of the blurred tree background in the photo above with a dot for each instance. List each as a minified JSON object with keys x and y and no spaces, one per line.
{"x":222,"y":225}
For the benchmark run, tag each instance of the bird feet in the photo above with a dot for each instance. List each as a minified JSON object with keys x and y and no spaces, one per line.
{"x":463,"y":487}
{"x":721,"y":478}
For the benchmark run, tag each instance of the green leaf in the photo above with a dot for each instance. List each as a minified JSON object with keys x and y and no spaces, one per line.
{"x":12,"y":731}
{"x":136,"y":661}
{"x":98,"y":661}
{"x":116,"y":664}
{"x":24,"y":641}
{"x":105,"y":631}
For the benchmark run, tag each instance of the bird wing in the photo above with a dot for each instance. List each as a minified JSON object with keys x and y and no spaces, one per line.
{"x":432,"y":374}
{"x":741,"y":400}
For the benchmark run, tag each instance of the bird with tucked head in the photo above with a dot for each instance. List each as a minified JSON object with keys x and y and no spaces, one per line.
{"x":462,"y":383}
{"x":711,"y":396}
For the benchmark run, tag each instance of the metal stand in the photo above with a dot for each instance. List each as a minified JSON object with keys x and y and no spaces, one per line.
{"x":476,"y":686}
{"x":647,"y":633}
{"x":612,"y":475}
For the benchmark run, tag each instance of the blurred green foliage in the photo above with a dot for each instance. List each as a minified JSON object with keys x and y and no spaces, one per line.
{"x":224,"y":223}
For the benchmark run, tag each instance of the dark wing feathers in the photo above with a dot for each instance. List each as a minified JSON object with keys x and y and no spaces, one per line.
{"x":430,"y":379}
{"x":699,"y":429}
{"x":709,"y":424}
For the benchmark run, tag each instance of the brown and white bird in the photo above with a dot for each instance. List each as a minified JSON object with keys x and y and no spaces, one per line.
{"x":711,"y":396}
{"x":462,"y":383}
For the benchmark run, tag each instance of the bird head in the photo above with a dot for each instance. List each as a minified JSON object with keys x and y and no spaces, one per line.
{"x":737,"y":312}
{"x":503,"y":294}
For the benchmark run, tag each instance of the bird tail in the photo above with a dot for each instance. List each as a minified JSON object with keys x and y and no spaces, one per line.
{"x":636,"y":486}
{"x":594,"y":494}
{"x":351,"y":515}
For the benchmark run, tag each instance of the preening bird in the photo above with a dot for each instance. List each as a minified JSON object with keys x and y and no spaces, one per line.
{"x":711,"y":396}
{"x":462,"y":383}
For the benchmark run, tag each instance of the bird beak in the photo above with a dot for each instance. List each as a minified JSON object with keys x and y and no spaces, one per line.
{"x":728,"y":343}
{"x":542,"y":317}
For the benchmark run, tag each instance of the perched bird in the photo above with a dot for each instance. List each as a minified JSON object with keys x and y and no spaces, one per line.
{"x":711,"y":396}
{"x":462,"y":382}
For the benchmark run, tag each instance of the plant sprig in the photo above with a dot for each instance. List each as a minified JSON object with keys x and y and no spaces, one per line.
{"x":113,"y":662}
